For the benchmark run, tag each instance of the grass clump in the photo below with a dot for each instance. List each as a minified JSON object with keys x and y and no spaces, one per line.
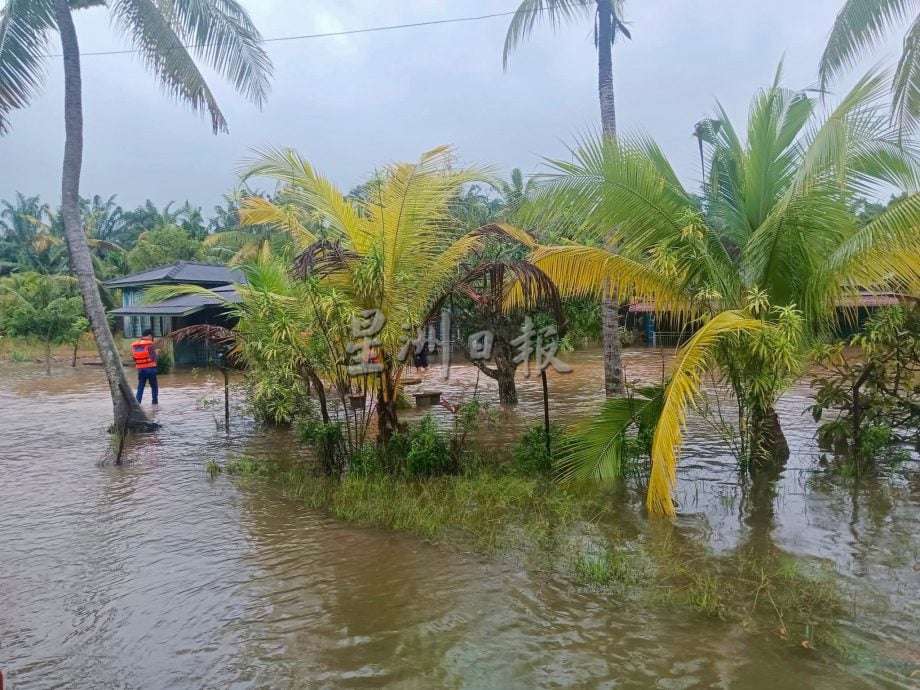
{"x":769,"y":592}
{"x":479,"y":507}
{"x":247,"y":467}
{"x":607,"y":567}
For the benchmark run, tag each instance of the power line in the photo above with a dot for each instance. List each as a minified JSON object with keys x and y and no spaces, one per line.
{"x":349,"y":32}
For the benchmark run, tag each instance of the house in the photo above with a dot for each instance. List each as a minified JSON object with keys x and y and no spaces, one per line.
{"x":178,"y":312}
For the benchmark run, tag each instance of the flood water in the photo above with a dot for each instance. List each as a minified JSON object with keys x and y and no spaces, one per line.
{"x":152,"y":575}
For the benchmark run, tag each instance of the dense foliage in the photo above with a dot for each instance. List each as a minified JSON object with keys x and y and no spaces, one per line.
{"x":47,"y":307}
{"x":867,"y":402}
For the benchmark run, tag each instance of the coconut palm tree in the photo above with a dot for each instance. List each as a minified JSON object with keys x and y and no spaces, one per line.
{"x":760,"y":267}
{"x":860,"y":26}
{"x":515,"y":193}
{"x":394,"y":252}
{"x":608,"y":18}
{"x":219,"y":32}
{"x":28,"y":241}
{"x":234,"y":243}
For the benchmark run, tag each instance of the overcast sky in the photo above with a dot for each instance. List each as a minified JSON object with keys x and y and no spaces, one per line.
{"x":351,"y":103}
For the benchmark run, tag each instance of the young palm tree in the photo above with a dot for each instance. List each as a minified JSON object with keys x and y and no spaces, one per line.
{"x":515,"y":193}
{"x":607,"y":15}
{"x":392,"y":252}
{"x":762,"y":265}
{"x":861,"y":25}
{"x":220,"y":33}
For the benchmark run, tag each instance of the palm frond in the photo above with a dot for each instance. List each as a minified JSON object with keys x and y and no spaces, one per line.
{"x":883,"y":255}
{"x":530,"y":13}
{"x":906,"y":103}
{"x":588,"y":271}
{"x":596,"y":449}
{"x":309,"y":189}
{"x":223,"y":35}
{"x":287,"y":217}
{"x":25,"y":26}
{"x":859,"y":27}
{"x":154,"y":37}
{"x":614,"y":190}
{"x":683,"y":387}
{"x":161,"y":293}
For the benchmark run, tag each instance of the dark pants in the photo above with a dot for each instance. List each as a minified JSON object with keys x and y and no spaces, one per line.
{"x":143,"y":376}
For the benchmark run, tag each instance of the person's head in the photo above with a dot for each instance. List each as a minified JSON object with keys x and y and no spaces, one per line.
{"x":147,"y":334}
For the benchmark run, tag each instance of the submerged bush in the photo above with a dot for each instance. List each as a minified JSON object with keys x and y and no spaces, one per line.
{"x":164,"y":362}
{"x":874,"y":400}
{"x":530,"y":456}
{"x":428,"y":452}
{"x":328,"y":440}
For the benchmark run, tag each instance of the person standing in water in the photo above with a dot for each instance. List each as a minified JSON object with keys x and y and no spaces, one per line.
{"x":145,"y":359}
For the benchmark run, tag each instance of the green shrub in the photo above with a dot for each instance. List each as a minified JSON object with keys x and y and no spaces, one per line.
{"x":364,"y":462}
{"x":164,"y":362}
{"x":530,"y":456}
{"x":328,"y":440}
{"x":428,"y":453}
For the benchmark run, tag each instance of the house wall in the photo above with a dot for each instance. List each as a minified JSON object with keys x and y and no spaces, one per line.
{"x":192,"y":353}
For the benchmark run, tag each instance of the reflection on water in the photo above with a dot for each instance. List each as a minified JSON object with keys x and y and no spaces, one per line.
{"x":151,"y":575}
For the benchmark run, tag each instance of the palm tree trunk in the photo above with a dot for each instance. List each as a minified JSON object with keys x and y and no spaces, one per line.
{"x":610,"y":315}
{"x":127,"y":411}
{"x":768,"y":444}
{"x":605,"y":67}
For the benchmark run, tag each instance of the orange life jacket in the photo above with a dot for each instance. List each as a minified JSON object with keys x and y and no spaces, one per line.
{"x":140,"y":350}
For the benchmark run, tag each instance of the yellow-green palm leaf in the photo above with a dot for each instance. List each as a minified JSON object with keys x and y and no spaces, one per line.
{"x":683,"y":387}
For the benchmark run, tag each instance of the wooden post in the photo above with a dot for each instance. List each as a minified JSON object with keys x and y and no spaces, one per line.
{"x":549,"y":449}
{"x":226,"y":399}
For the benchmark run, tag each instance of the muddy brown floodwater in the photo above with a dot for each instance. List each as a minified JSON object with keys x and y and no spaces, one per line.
{"x":150,"y":575}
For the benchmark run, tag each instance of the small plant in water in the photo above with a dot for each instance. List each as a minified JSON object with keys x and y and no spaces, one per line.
{"x":245,"y":467}
{"x":212,"y":468}
{"x":600,"y":567}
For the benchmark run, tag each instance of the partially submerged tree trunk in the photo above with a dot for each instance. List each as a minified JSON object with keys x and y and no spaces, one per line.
{"x":317,"y":384}
{"x":504,"y":369}
{"x":768,"y":442}
{"x":48,"y":357}
{"x":610,"y":316}
{"x":127,"y":411}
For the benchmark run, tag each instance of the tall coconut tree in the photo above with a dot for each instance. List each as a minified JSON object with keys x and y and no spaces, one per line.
{"x":166,"y":34}
{"x":608,"y":25}
{"x":860,"y":26}
{"x":761,"y":268}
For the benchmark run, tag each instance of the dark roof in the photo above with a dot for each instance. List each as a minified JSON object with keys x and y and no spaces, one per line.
{"x":192,"y":272}
{"x":182,"y":305}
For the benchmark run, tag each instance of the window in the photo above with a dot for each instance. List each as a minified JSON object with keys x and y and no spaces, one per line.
{"x":158,"y":324}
